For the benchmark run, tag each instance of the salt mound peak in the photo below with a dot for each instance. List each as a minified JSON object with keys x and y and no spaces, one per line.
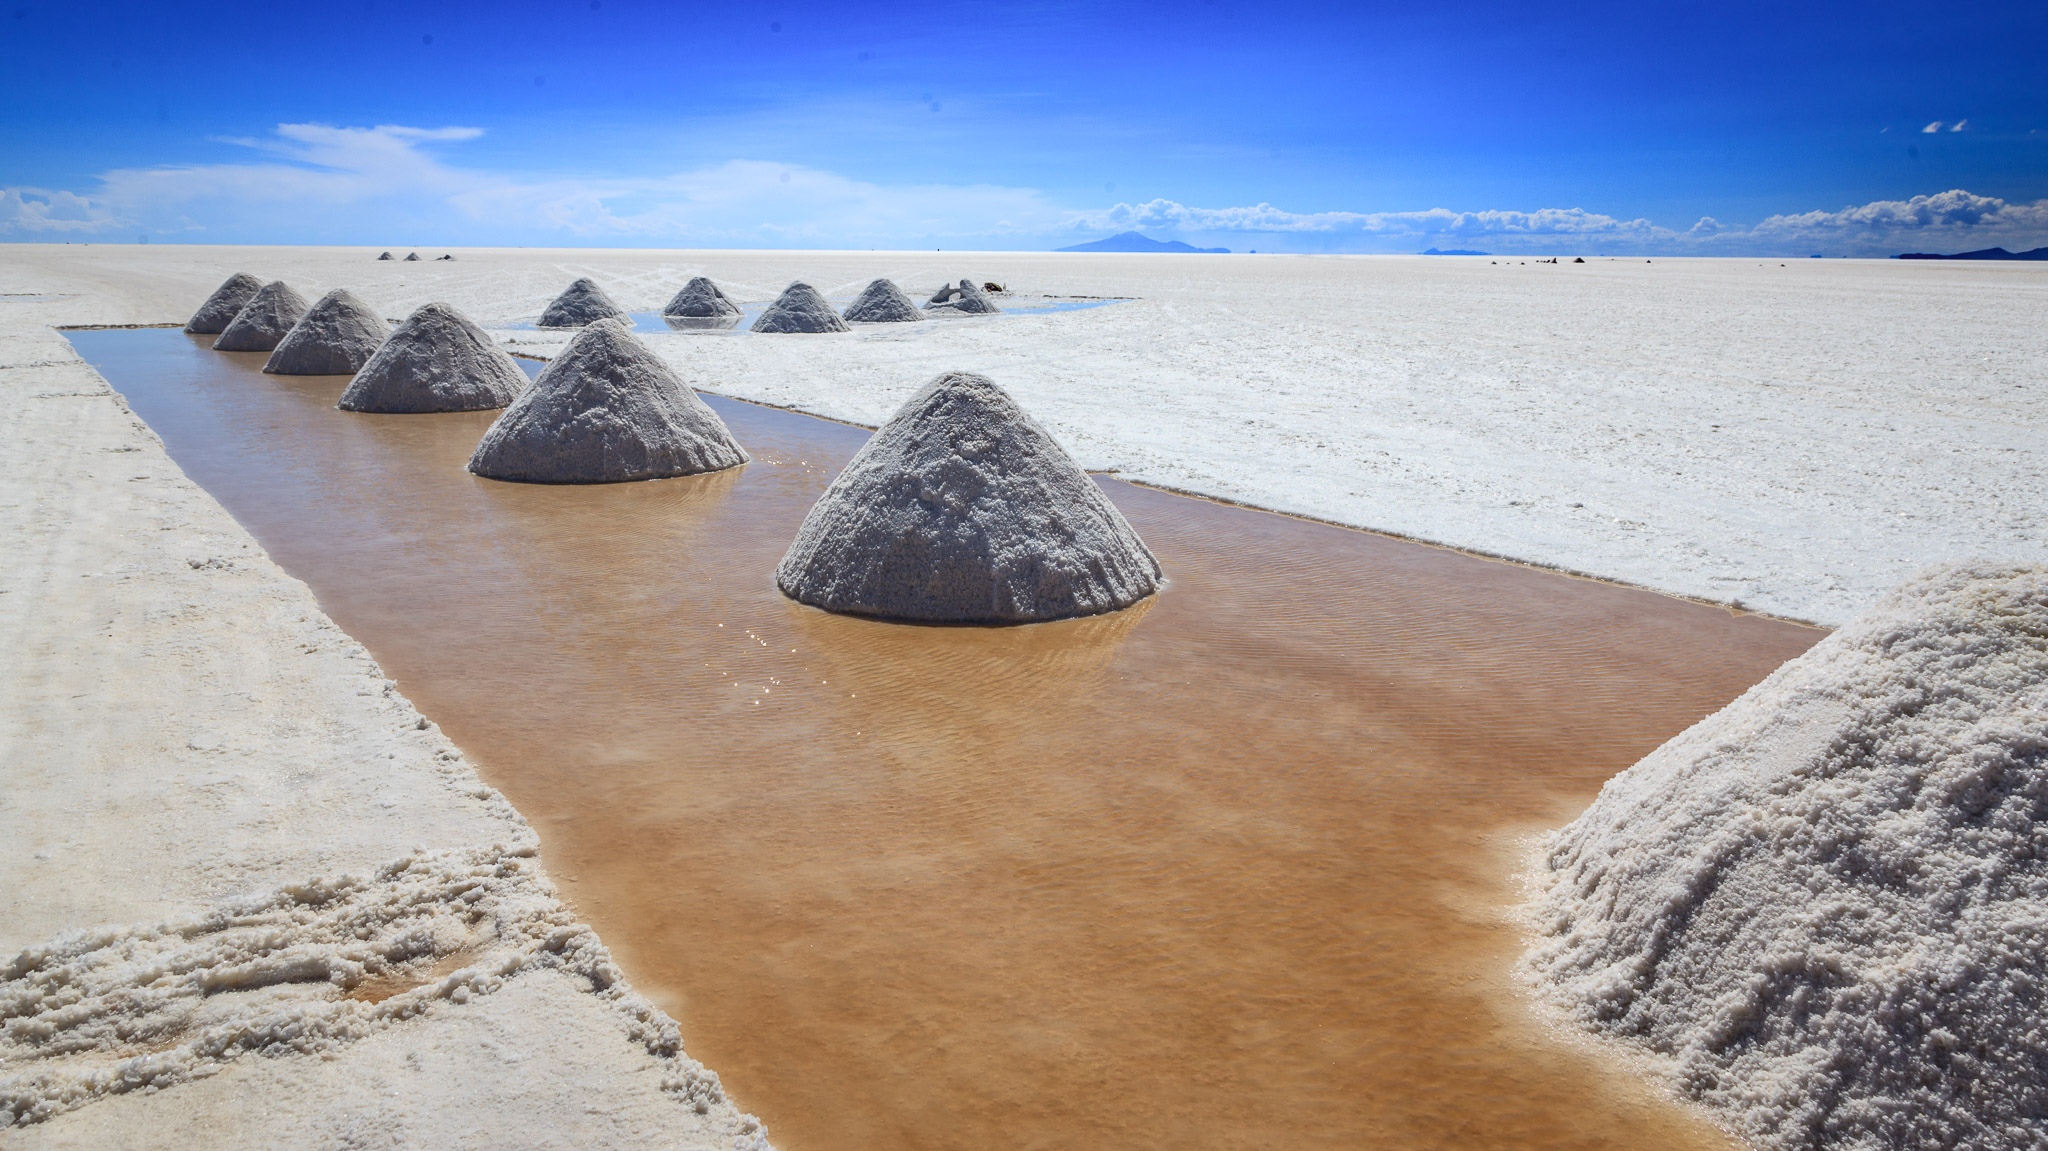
{"x":263,"y":321}
{"x":961,"y":509}
{"x":882,"y":302}
{"x":583,"y":302}
{"x":800,"y":309}
{"x":1827,"y":903}
{"x":335,"y":337}
{"x":701,"y":299}
{"x":607,"y":409}
{"x":412,"y":257}
{"x":220,"y":309}
{"x":962,"y":297}
{"x":385,"y":256}
{"x":437,"y":361}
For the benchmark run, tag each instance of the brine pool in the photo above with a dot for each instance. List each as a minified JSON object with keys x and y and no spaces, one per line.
{"x":1228,"y":869}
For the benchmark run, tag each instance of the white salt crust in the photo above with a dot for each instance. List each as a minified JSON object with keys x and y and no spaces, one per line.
{"x":1827,"y":904}
{"x":437,"y":361}
{"x":582,"y":302}
{"x":263,"y":321}
{"x":800,"y":309}
{"x":961,"y":509}
{"x":335,"y":337}
{"x":224,"y":305}
{"x":113,"y":1010}
{"x":603,"y":411}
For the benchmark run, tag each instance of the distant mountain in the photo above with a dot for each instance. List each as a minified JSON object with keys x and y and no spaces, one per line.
{"x":1979,"y":254}
{"x":1453,"y":252}
{"x":1137,"y":242}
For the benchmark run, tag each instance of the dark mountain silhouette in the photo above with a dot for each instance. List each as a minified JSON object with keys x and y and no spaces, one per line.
{"x":1979,"y":254}
{"x":1138,"y":242}
{"x":1454,"y":252}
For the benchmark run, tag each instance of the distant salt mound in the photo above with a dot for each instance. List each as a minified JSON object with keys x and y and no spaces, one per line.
{"x":800,"y":309}
{"x":263,"y":321}
{"x":583,"y":302}
{"x":412,"y":257}
{"x":437,"y":361}
{"x":882,"y":302}
{"x":385,"y":256}
{"x":220,"y":309}
{"x":603,"y":411}
{"x":1828,"y":902}
{"x":701,"y":299}
{"x":335,"y":337}
{"x":961,"y":509}
{"x":963,"y":297}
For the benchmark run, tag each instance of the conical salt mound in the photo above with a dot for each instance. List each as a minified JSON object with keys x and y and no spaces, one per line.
{"x":1823,"y":905}
{"x":961,"y":509}
{"x":800,"y":309}
{"x":412,"y":257}
{"x":605,"y":410}
{"x":385,"y":256}
{"x":219,"y":310}
{"x":437,"y":361}
{"x":963,"y":297}
{"x":335,"y":337}
{"x":881,"y":302}
{"x":582,"y":303}
{"x":263,"y":321}
{"x":700,"y":299}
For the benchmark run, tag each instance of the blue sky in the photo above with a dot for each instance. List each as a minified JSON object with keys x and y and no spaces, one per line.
{"x":1673,"y":128}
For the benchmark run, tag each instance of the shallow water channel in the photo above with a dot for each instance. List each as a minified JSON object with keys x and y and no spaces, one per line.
{"x":1223,"y":870}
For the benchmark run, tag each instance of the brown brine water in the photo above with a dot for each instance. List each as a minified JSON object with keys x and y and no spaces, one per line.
{"x":1228,"y":869}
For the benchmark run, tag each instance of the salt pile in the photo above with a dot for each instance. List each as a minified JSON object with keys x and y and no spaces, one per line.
{"x":583,"y":302}
{"x":437,"y":361}
{"x":220,"y":308}
{"x":335,"y":337}
{"x":800,"y":309}
{"x":961,"y":509}
{"x":1828,"y":902}
{"x":385,"y":256}
{"x":605,"y":410}
{"x":963,"y":297}
{"x":882,"y":302}
{"x":263,"y":321}
{"x":701,"y":299}
{"x":412,"y":257}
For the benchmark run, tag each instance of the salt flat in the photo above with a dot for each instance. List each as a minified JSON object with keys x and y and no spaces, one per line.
{"x":1793,"y":436}
{"x":180,"y":724}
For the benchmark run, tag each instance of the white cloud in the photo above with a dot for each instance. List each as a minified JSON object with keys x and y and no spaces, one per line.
{"x":54,"y":213}
{"x":1934,"y":127}
{"x":1328,"y":228}
{"x":1945,"y":219}
{"x":1955,"y":219}
{"x":318,"y":182}
{"x":1958,"y":125}
{"x":390,"y":184}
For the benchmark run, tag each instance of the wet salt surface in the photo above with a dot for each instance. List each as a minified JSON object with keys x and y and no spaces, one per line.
{"x":1222,"y":870}
{"x":656,"y":323}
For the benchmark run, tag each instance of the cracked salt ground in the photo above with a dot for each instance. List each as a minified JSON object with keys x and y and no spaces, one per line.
{"x":968,"y":887}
